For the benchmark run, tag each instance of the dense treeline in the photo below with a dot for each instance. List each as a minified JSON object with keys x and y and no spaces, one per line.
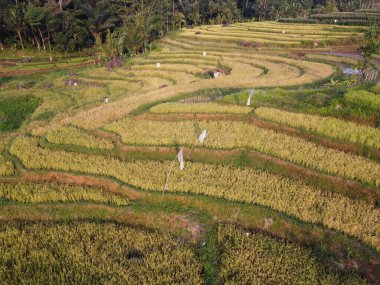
{"x":69,"y":25}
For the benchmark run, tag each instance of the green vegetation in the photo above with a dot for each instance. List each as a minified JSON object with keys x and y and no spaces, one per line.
{"x":14,"y":110}
{"x":356,"y":18}
{"x":67,"y":26}
{"x":362,"y":107}
{"x":6,"y":166}
{"x":364,"y":100}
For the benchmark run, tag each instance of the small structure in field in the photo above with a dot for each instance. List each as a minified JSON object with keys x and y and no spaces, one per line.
{"x":248,"y":44}
{"x":204,"y":53}
{"x":158,"y":65}
{"x":72,"y":82}
{"x":338,"y":107}
{"x":268,"y":223}
{"x":218,"y":72}
{"x":114,"y":63}
{"x":25,"y":60}
{"x":106,"y":100}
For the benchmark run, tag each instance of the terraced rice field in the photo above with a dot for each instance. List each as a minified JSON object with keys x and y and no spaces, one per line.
{"x":270,"y":33}
{"x":283,"y":191}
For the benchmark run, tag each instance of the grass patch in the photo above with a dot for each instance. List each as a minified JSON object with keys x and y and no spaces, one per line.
{"x":14,"y":110}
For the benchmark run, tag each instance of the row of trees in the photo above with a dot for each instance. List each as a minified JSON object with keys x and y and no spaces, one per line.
{"x":69,"y":25}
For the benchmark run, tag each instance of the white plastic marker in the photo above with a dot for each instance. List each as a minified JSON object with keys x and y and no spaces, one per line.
{"x":284,"y":32}
{"x":200,"y":139}
{"x":204,"y":53}
{"x":180,"y":159}
{"x":158,"y":65}
{"x":251,"y":93}
{"x":336,"y":21}
{"x":106,"y":100}
{"x":203,"y":136}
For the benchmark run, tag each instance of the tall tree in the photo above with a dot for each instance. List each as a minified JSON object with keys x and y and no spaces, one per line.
{"x":14,"y":21}
{"x":100,"y":17}
{"x":68,"y":32}
{"x":35,"y":16}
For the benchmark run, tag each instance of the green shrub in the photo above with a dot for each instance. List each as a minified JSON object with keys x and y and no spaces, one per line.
{"x":376,"y":89}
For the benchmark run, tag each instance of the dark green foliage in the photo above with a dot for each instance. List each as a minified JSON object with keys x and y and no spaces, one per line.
{"x":371,"y":43}
{"x":99,"y":15}
{"x":68,"y":25}
{"x":14,"y":110}
{"x":357,"y":18}
{"x":69,"y":33}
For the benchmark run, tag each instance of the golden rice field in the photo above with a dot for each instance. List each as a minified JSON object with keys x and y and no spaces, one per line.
{"x":6,"y":165}
{"x":244,"y":185}
{"x":199,"y":108}
{"x":102,"y":253}
{"x":253,"y":258}
{"x":43,"y":193}
{"x":74,"y":136}
{"x":269,"y":33}
{"x":91,"y":188}
{"x":335,"y":128}
{"x":229,"y":135}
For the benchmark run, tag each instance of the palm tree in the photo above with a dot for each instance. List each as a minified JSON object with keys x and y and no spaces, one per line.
{"x":99,"y":17}
{"x":195,"y":13}
{"x":14,"y":21}
{"x":133,"y":36}
{"x":34,"y":16}
{"x":138,"y":25}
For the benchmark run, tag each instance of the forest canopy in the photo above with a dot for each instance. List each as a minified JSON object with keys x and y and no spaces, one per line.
{"x":71,"y":25}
